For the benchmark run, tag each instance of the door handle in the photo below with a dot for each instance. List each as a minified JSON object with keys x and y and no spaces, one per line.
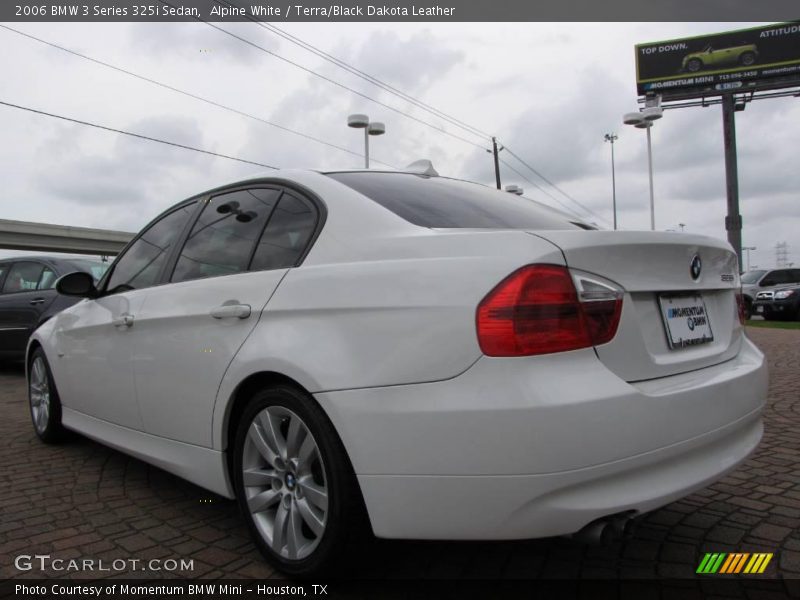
{"x":123,"y":321}
{"x":37,"y":301}
{"x":227,"y":311}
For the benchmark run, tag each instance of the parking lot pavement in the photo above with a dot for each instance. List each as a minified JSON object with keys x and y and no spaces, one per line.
{"x":82,"y":500}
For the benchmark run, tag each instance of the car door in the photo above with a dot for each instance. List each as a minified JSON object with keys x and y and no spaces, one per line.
{"x":94,"y":338}
{"x":233,"y":259}
{"x":27,"y":294}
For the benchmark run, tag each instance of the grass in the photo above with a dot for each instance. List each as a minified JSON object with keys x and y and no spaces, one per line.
{"x":775,"y":324}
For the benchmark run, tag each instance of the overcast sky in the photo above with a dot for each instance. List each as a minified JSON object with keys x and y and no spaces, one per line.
{"x":548,"y":91}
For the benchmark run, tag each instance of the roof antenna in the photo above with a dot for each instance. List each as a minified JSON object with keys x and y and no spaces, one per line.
{"x":422,"y":167}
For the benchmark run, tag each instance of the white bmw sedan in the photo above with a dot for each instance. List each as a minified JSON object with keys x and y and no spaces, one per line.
{"x":432,"y":357}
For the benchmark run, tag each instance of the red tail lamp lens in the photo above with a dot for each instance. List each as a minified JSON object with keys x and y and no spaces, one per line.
{"x":536,"y":310}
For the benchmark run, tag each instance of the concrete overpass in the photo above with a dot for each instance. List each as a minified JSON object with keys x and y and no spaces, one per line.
{"x":43,"y":237}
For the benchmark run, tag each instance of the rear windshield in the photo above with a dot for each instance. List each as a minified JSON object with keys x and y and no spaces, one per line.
{"x":450,"y":203}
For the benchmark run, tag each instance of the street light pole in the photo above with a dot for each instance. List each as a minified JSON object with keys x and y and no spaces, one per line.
{"x":747,"y":249}
{"x":644,"y":120}
{"x":650,"y":170}
{"x":359,"y":121}
{"x":612,"y":137}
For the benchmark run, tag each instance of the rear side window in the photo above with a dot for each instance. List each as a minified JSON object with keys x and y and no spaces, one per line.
{"x":449,"y":203}
{"x":142,"y":262}
{"x":23,"y":277}
{"x":287,"y":234}
{"x":47,"y":280}
{"x":222,"y":240}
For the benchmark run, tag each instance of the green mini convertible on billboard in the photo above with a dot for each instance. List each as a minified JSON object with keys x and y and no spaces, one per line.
{"x":746,"y":55}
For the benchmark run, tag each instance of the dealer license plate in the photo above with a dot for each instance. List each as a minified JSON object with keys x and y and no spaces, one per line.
{"x":686,"y":320}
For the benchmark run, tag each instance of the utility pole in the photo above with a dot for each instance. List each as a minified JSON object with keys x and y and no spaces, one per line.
{"x":496,"y":162}
{"x":612,"y":137}
{"x":781,"y":254}
{"x":733,"y":220}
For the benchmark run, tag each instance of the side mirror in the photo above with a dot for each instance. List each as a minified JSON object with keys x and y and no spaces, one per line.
{"x":77,"y":284}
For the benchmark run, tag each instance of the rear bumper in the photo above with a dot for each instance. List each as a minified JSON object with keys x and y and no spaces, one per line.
{"x":539,"y":446}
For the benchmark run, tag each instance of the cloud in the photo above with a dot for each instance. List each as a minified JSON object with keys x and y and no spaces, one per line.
{"x":199,"y":43}
{"x":127,"y":178}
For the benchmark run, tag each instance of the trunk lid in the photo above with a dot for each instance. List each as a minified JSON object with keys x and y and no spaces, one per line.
{"x":650,"y":266}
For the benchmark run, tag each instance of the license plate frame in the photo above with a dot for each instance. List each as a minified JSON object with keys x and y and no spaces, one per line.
{"x":691,"y":316}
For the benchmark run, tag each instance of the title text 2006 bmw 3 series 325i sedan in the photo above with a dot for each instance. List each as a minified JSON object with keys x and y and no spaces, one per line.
{"x":429,"y":356}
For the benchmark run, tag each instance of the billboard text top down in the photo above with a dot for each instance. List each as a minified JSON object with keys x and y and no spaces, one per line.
{"x":708,"y":65}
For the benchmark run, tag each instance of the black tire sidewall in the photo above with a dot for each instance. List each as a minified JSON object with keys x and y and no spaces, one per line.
{"x":342,"y":521}
{"x":694,"y":61}
{"x":54,"y":431}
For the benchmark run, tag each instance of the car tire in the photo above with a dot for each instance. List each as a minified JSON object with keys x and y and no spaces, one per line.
{"x":694,"y":65}
{"x":43,"y":399}
{"x":747,"y":59}
{"x":295,"y":485}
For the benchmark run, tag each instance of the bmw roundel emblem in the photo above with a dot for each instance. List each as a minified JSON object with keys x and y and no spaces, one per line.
{"x":695,"y":267}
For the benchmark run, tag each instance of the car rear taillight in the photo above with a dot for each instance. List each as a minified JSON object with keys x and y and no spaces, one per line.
{"x":740,"y":306}
{"x":538,"y":310}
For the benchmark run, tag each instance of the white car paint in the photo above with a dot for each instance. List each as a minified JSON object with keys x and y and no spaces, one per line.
{"x":378,"y":323}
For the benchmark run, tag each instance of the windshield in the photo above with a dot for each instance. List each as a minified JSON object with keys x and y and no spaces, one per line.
{"x":752,"y":276}
{"x":439,"y":202}
{"x":95,"y":268}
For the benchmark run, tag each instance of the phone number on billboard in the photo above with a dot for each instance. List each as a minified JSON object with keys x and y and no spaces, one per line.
{"x":96,"y":10}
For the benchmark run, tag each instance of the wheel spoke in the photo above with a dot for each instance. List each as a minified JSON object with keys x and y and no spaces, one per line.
{"x":261,"y":502}
{"x":294,"y":538}
{"x":316,"y":494}
{"x":37,"y":371}
{"x":256,"y":436}
{"x":260,"y":477}
{"x":306,"y":454}
{"x":314,"y":522}
{"x":272,"y":433}
{"x":294,"y":436}
{"x":279,"y":528}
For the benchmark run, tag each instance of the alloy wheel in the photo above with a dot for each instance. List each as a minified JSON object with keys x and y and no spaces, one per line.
{"x":284,"y":482}
{"x":39,"y":395}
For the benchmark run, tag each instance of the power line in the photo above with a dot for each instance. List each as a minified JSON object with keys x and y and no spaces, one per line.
{"x":332,"y":81}
{"x":136,"y":135}
{"x":545,"y":179}
{"x":363,"y":75}
{"x":188,"y":94}
{"x":544,"y":191}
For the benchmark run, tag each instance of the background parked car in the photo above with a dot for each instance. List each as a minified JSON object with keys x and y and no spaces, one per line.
{"x":28,"y":296}
{"x":755,"y":281}
{"x":779,"y":304}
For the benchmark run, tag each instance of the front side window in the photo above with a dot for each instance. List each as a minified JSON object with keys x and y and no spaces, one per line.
{"x":141,"y":264}
{"x":287,"y":234}
{"x":222,"y":240}
{"x":23,"y":277}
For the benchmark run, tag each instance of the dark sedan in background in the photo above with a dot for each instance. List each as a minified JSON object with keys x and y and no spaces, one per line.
{"x":28,"y":296}
{"x":779,"y":304}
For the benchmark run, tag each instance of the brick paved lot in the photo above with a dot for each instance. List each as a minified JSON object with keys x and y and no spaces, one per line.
{"x":82,"y":500}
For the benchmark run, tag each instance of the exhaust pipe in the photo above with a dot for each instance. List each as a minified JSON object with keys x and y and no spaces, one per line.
{"x":607,"y":530}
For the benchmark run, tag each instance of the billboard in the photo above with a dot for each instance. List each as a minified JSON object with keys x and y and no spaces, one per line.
{"x":709,"y":65}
